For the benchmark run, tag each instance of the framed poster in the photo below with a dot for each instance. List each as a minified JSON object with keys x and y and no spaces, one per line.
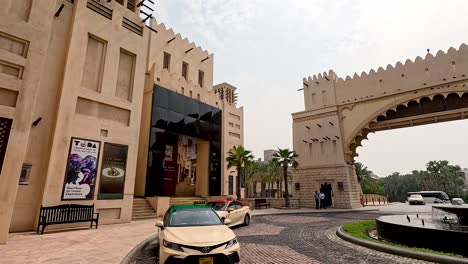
{"x":114,"y":164}
{"x":80,"y":176}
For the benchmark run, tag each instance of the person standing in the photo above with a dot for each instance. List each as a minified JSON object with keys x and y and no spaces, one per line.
{"x":322,"y":200}
{"x":317,"y":200}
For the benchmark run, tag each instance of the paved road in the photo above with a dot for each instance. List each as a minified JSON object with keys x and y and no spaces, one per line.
{"x":306,"y":239}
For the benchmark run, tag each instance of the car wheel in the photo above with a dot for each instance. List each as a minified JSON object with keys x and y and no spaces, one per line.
{"x":246,"y":220}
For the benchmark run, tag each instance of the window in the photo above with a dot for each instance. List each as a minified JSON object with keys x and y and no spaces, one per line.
{"x":190,"y":94}
{"x":25,"y":172}
{"x":182,"y":90}
{"x":201,"y":77}
{"x":94,"y":64}
{"x":231,"y":185}
{"x":167,"y":61}
{"x":324,"y":97}
{"x":131,"y":5}
{"x":334,"y":146}
{"x":198,"y":97}
{"x":125,"y":75}
{"x":185,"y":70}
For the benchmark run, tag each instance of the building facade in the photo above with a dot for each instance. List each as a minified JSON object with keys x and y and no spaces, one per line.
{"x":268,"y":154}
{"x":79,"y":105}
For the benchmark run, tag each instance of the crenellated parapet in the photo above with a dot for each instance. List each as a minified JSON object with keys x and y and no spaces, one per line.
{"x":319,"y":90}
{"x":164,"y":40}
{"x":412,"y":75}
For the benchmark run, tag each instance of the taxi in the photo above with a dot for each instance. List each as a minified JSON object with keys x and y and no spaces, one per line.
{"x":196,"y":234}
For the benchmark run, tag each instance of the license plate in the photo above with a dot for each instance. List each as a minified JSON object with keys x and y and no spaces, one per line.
{"x":207,"y":260}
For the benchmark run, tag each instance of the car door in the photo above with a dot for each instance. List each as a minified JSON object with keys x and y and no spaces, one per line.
{"x":234,"y":215}
{"x":240,"y":212}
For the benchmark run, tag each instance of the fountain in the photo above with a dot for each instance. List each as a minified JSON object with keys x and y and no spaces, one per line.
{"x":446,"y":229}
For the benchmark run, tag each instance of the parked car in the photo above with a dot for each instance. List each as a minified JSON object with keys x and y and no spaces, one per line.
{"x":195,"y":234}
{"x":238,"y":212}
{"x":416,"y":199}
{"x":457,"y":201}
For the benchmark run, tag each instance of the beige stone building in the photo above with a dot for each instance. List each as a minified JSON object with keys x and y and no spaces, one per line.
{"x":340,"y":113}
{"x":81,"y":119}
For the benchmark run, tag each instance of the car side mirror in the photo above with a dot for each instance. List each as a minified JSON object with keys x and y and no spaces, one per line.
{"x":227,"y":221}
{"x":160,"y":224}
{"x":230,"y":210}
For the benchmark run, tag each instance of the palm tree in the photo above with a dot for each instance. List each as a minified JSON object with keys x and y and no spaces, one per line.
{"x":274,"y":171}
{"x":362,"y":172}
{"x":238,"y":157}
{"x":286,"y":158}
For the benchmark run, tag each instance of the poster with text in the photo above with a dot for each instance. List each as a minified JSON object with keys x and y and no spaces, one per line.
{"x":114,"y":164}
{"x":81,"y":171}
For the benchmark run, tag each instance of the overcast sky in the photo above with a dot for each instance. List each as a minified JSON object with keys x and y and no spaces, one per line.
{"x":266,"y":47}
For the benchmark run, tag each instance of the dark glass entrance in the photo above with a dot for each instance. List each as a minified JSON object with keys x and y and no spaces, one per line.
{"x":5,"y":126}
{"x":327,"y":190}
{"x":174,"y":118}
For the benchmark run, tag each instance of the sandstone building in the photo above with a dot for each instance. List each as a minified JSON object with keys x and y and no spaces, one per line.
{"x":97,"y":107}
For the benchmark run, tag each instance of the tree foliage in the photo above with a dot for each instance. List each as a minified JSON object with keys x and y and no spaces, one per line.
{"x":286,"y":158}
{"x":438,"y":176}
{"x":370,"y":183}
{"x":238,"y":157}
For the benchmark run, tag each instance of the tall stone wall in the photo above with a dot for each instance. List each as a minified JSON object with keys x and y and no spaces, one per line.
{"x":310,"y":179}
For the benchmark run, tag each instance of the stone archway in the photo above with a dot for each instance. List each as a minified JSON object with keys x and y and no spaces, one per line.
{"x":339,"y":113}
{"x":422,"y":110}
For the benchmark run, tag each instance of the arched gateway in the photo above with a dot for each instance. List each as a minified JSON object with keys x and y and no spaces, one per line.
{"x":340,"y":113}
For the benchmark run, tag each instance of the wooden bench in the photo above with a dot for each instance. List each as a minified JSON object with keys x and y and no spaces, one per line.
{"x":259,"y":203}
{"x":66,"y":213}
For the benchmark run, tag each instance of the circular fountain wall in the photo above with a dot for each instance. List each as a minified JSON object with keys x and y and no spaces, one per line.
{"x":445,"y":230}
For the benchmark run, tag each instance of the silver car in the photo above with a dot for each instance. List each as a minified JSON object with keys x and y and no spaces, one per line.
{"x":416,"y":199}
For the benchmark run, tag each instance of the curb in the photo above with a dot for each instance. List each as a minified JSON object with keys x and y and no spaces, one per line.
{"x":400,"y":251}
{"x":129,"y":258}
{"x":319,"y":212}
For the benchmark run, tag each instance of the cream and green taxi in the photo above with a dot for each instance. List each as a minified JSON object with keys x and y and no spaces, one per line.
{"x":196,"y":234}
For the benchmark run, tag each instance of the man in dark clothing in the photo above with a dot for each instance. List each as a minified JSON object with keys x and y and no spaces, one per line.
{"x":317,"y":200}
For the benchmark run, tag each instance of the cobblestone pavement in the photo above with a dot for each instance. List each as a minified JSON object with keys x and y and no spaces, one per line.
{"x":306,"y":239}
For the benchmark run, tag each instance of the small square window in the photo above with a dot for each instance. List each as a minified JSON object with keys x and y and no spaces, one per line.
{"x":167,"y":61}
{"x":25,"y":172}
{"x":201,"y":77}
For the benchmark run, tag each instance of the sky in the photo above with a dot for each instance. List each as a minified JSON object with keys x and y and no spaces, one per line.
{"x":266,"y":47}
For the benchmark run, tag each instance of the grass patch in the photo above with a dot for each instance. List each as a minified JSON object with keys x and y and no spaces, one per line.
{"x":359,"y":230}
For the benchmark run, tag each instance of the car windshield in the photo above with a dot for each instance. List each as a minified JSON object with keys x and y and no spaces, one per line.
{"x":416,"y":196}
{"x":194,"y":217}
{"x":218,"y":206}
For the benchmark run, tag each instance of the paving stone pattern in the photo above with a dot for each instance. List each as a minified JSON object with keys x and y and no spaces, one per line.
{"x":304,"y":239}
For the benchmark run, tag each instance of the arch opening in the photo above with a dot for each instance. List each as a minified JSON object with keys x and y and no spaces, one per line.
{"x":416,"y":112}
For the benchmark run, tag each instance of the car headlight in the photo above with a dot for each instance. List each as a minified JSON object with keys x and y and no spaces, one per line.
{"x":173,"y":246}
{"x":231,"y":242}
